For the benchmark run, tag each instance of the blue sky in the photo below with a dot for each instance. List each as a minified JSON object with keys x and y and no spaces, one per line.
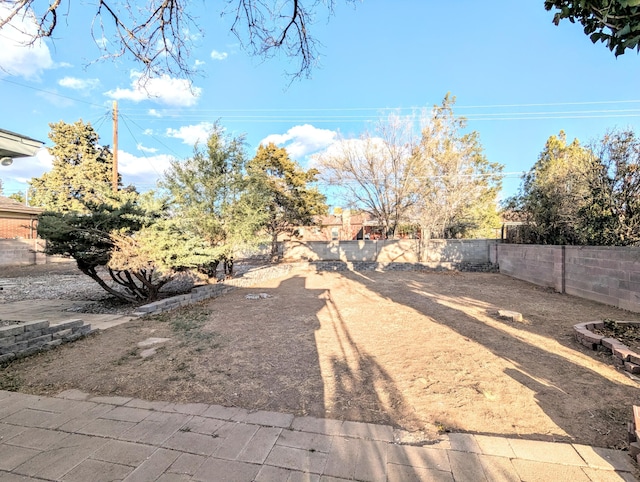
{"x":517,"y":78}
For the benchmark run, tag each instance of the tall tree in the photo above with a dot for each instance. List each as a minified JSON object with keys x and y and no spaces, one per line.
{"x":376,"y":173}
{"x":611,"y":213}
{"x":613,"y":22}
{"x":456,"y":186}
{"x":554,"y":191}
{"x":81,"y":173}
{"x":207,"y":194}
{"x":282,"y":188}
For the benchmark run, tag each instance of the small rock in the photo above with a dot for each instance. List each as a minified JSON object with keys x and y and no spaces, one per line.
{"x":152,"y":341}
{"x":252,"y":296}
{"x":510,"y":315}
{"x":148,"y":352}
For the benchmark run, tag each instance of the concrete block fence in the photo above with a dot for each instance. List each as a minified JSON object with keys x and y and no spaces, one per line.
{"x":607,"y":274}
{"x":439,"y":251}
{"x":24,"y":339}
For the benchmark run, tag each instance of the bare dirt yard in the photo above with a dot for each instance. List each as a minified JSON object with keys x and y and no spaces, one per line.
{"x":422,"y":351}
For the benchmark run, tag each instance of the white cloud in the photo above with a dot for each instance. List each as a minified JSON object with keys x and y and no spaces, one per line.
{"x":16,"y":57}
{"x":302,"y":140}
{"x":199,"y":63}
{"x":148,"y":132}
{"x":191,"y":134}
{"x":162,"y":90}
{"x":358,"y":147}
{"x":215,"y":55}
{"x":150,"y":150}
{"x":79,"y":84}
{"x":154,"y":113}
{"x":143,"y":172}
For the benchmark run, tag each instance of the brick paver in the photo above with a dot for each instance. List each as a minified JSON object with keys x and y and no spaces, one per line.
{"x":76,"y":437}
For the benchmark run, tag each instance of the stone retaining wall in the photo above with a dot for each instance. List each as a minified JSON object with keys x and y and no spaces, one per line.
{"x":20,"y":340}
{"x":205,"y":292}
{"x":373,"y":266}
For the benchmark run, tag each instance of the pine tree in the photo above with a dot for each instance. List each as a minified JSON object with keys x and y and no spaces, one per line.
{"x":81,"y":173}
{"x":283,"y":189}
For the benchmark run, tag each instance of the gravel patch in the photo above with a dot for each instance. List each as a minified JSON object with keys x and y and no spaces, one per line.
{"x":78,"y":287}
{"x":65,"y":282}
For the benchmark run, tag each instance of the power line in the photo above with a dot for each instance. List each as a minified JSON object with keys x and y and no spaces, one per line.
{"x":212,"y":112}
{"x":50,"y":92}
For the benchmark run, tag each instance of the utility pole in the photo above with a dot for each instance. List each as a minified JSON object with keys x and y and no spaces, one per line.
{"x":115,"y":146}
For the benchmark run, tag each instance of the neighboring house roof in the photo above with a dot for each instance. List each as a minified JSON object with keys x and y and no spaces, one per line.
{"x":16,"y":145}
{"x":362,"y":219}
{"x":8,"y":205}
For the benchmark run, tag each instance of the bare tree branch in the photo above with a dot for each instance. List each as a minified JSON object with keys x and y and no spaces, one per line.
{"x":159,"y":36}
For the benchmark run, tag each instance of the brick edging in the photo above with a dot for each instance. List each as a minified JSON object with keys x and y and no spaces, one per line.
{"x":623,"y":356}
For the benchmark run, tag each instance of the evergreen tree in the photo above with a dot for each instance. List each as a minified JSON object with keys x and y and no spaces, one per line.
{"x":81,"y":173}
{"x":554,"y":191}
{"x":206,"y":193}
{"x":282,"y":188}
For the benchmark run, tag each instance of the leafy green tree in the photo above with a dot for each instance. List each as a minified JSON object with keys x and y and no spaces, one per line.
{"x":613,"y":22}
{"x":611,"y":213}
{"x":18,"y":196}
{"x":206,"y":193}
{"x":579,"y":195}
{"x":554,"y":191}
{"x":456,"y":186}
{"x":282,"y":188}
{"x":81,"y":173}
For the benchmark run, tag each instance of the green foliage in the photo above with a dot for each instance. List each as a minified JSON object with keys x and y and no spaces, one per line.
{"x":281,"y":187}
{"x":611,"y":215}
{"x":554,"y":191}
{"x":613,"y":22}
{"x":88,"y":238}
{"x":81,"y":173}
{"x":207,"y":194}
{"x":17,"y":196}
{"x":456,"y":186}
{"x":578,"y":195}
{"x":133,"y":241}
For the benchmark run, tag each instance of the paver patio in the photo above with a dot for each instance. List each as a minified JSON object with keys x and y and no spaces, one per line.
{"x":76,"y":437}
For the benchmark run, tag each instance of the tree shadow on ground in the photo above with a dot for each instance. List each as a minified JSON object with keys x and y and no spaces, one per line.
{"x":361,"y":389}
{"x":585,"y":398}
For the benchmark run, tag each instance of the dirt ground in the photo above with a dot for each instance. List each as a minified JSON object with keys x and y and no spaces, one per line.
{"x":422,"y":351}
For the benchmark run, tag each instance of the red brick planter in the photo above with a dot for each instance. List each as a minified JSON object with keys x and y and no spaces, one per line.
{"x":623,"y":356}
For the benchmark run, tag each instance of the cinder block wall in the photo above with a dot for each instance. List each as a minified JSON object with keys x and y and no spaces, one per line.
{"x":18,"y":252}
{"x":540,"y":265}
{"x":609,"y":275}
{"x":473,"y":251}
{"x":15,"y":252}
